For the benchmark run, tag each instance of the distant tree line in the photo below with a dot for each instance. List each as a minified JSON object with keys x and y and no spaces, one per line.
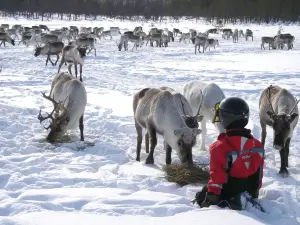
{"x":228,"y":10}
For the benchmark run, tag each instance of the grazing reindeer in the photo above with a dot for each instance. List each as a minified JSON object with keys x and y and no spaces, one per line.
{"x":138,"y":42}
{"x":227,"y":33}
{"x":205,"y":94}
{"x":241,"y":33}
{"x":278,"y":109}
{"x":282,"y":39}
{"x":184,"y":109}
{"x":211,"y":42}
{"x":200,"y":41}
{"x":235,"y":36}
{"x":12,"y":32}
{"x":52,"y":48}
{"x":176,"y":31}
{"x":73,"y":55}
{"x":4,"y":37}
{"x":248,"y":33}
{"x":69,"y":99}
{"x":267,"y":40}
{"x":157,"y":111}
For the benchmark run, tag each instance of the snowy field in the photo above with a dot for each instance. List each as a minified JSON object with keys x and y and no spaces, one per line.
{"x":99,"y":182}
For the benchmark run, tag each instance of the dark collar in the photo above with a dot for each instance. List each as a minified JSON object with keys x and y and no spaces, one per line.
{"x":239,"y":132}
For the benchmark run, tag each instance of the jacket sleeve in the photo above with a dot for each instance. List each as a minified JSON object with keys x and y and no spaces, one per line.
{"x":217,"y":173}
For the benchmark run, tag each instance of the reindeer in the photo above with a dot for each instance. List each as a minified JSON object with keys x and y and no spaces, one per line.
{"x":44,"y":27}
{"x":200,"y":41}
{"x":184,"y":37}
{"x":248,"y":33}
{"x":4,"y":37}
{"x":212,"y":31}
{"x":13,"y":32}
{"x":235,"y":36}
{"x":125,"y":38}
{"x":278,"y":109}
{"x":282,"y":39}
{"x":114,"y":31}
{"x":73,"y":55}
{"x":34,"y":40}
{"x":86,"y":42}
{"x":227,"y":33}
{"x":157,"y":112}
{"x":211,"y":42}
{"x":268,"y":40}
{"x":205,"y":94}
{"x":104,"y":34}
{"x":137,"y":30}
{"x":25,"y":36}
{"x":46,"y":38}
{"x":52,"y":48}
{"x":170,"y":36}
{"x":184,"y":109}
{"x":69,"y":99}
{"x":241,"y":33}
{"x":176,"y":32}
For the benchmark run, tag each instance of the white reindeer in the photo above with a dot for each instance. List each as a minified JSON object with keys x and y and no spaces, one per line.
{"x":156,"y":110}
{"x":207,"y":94}
{"x":69,"y":99}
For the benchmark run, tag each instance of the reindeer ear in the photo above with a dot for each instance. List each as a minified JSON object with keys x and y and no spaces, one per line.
{"x":199,"y":118}
{"x":292,"y":117}
{"x":178,"y":132}
{"x":196,"y":131}
{"x":270,"y":114}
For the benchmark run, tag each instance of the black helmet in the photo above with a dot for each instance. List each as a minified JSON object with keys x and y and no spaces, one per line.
{"x":234,"y":113}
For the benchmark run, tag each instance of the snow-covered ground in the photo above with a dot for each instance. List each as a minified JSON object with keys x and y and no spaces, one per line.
{"x":43,"y":184}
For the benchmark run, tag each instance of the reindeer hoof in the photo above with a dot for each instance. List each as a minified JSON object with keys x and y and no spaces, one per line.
{"x":149,"y":161}
{"x":283,"y":172}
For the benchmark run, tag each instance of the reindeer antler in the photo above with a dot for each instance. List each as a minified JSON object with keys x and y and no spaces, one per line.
{"x":49,"y":116}
{"x":297,"y":101}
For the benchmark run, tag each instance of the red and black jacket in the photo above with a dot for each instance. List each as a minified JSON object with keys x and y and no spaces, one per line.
{"x":236,"y":164}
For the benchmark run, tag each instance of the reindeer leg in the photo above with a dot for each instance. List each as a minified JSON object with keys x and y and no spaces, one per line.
{"x":263,"y":133}
{"x":62,"y":61}
{"x":195,"y":50}
{"x":139,"y":140}
{"x":203,"y":135}
{"x":287,"y":151}
{"x":81,"y":126}
{"x":47,"y":59}
{"x":147,"y":142}
{"x":57,"y":58}
{"x":76,"y":72}
{"x":69,"y":68}
{"x":168,"y":153}
{"x":80,"y":72}
{"x":283,"y":170}
{"x":153,"y":143}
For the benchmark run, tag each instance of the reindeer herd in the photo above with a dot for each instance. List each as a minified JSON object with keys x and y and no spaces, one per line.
{"x":173,"y":115}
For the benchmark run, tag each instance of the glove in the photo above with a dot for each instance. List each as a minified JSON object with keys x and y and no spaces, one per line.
{"x":210,"y":199}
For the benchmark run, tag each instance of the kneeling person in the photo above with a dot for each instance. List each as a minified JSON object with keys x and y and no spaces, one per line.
{"x":236,"y":159}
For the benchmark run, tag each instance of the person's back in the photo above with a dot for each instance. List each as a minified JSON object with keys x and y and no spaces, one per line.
{"x":236,"y":158}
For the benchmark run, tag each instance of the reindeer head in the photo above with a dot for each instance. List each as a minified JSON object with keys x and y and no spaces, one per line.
{"x":281,"y":124}
{"x":185,"y":141}
{"x":192,"y":121}
{"x":37,"y":51}
{"x":59,"y":121}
